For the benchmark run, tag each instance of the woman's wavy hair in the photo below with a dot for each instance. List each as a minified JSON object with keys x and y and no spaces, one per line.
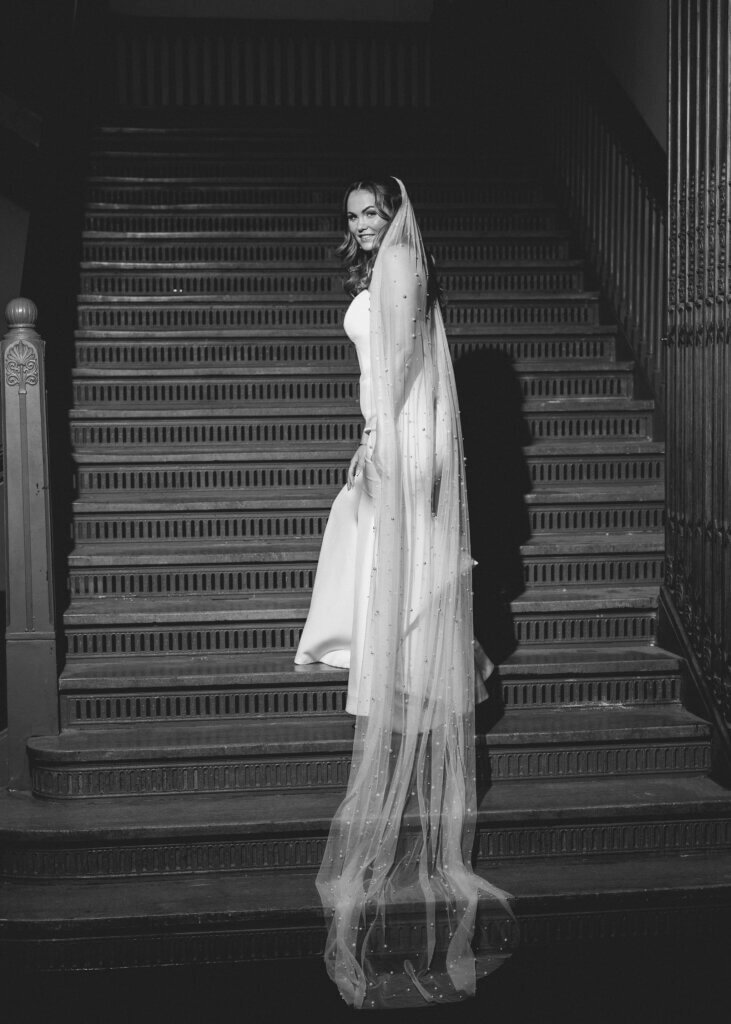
{"x":357,"y":262}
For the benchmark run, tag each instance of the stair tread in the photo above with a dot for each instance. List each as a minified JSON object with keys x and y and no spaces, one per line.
{"x":275,"y":267}
{"x":270,"y":737}
{"x":252,"y":409}
{"x":25,"y":818}
{"x":163,"y":609}
{"x":319,"y":498}
{"x":274,"y":181}
{"x":264,"y":408}
{"x":319,"y":451}
{"x":647,"y":541}
{"x":545,"y":599}
{"x":327,"y":370}
{"x":233,"y":900}
{"x":641,"y":491}
{"x":326,"y":234}
{"x":294,"y":335}
{"x":282,"y":549}
{"x":275,"y":667}
{"x":317,"y":207}
{"x":324,"y":299}
{"x":227,"y":551}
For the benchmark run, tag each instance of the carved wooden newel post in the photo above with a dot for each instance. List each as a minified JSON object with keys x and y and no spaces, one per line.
{"x":30,"y":634}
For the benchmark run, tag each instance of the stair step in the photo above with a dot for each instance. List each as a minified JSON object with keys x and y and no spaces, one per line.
{"x":303,"y":279}
{"x":132,"y":352}
{"x":304,"y":754}
{"x":613,"y":461}
{"x":210,"y":220}
{"x":234,"y":569}
{"x":192,"y":688}
{"x":135,"y":517}
{"x":279,"y":917}
{"x":146,"y":315}
{"x":160,"y":430}
{"x":295,"y":167}
{"x":240,"y":191}
{"x":262,"y":373}
{"x":491,"y":247}
{"x":254,"y":622}
{"x":227,"y":551}
{"x":212,"y":466}
{"x":328,"y":382}
{"x":183,"y":479}
{"x":596,"y":508}
{"x":160,"y":836}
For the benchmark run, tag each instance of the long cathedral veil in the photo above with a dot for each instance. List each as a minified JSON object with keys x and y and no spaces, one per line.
{"x":396,"y":882}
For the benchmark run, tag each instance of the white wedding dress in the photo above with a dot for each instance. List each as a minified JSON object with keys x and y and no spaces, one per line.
{"x":335,"y":627}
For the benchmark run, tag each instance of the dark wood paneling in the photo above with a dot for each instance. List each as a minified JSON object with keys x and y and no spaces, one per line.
{"x":698,"y":370}
{"x":238,"y":64}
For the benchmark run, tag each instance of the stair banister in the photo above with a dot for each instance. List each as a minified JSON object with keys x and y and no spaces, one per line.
{"x":32,"y":672}
{"x":611,"y":173}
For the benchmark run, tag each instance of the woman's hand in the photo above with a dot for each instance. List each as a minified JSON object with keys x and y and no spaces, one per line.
{"x":356,"y":465}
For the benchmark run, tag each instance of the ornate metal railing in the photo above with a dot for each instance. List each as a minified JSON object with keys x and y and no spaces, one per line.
{"x":698,"y":367}
{"x":611,"y":173}
{"x":30,"y":637}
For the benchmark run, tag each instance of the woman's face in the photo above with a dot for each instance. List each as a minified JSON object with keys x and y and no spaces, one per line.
{"x":365,"y":223}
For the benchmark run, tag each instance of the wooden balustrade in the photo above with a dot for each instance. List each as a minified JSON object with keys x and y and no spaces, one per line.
{"x":698,"y":361}
{"x":612,"y":175}
{"x":30,"y":631}
{"x":657,"y":232}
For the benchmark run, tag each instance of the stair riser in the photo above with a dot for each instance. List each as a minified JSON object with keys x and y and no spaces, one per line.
{"x":333,"y":387}
{"x":122,"y":527}
{"x":549,"y":471}
{"x":313,"y":252}
{"x":204,"y":581}
{"x":307,"y":284}
{"x":614,"y":571}
{"x":234,"y":854}
{"x":597,"y":517}
{"x":579,"y":627}
{"x":283,"y":316}
{"x":232,"y":775}
{"x":259,"y":433}
{"x":299,"y":577}
{"x":205,"y":704}
{"x":278,"y":355}
{"x":222,"y":283}
{"x":312,"y":194}
{"x":324,"y":222}
{"x":251,"y":165}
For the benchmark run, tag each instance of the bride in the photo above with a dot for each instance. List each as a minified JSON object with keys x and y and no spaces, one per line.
{"x":392,"y":602}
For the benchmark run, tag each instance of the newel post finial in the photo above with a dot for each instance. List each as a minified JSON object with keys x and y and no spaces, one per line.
{"x":21,"y":313}
{"x":30,"y":622}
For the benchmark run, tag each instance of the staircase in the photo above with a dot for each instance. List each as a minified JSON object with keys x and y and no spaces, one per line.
{"x":188,"y":796}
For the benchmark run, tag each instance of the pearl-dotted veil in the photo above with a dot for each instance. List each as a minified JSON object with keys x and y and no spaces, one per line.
{"x":409,"y":920}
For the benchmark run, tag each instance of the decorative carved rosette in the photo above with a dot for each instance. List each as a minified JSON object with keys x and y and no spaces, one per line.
{"x":21,"y":365}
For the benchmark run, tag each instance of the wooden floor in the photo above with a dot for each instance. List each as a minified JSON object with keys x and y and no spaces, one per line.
{"x":661,"y":983}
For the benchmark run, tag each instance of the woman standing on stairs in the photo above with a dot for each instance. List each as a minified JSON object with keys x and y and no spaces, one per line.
{"x":392,"y":601}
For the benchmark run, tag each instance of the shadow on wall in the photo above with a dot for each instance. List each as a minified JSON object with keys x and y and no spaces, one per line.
{"x":495,"y":433}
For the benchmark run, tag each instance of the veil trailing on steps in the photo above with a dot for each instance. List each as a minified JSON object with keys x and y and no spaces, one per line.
{"x":409,"y":920}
